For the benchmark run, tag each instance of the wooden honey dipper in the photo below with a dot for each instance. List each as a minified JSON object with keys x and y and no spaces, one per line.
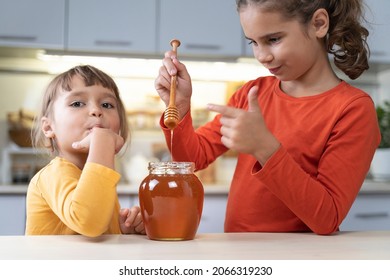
{"x":171,"y":113}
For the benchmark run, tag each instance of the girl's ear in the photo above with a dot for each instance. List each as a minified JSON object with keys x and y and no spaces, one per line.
{"x":46,"y":127}
{"x":320,"y":22}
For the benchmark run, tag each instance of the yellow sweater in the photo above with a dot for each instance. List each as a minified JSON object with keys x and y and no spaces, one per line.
{"x":62,"y":199}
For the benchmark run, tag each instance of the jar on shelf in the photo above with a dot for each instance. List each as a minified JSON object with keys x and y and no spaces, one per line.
{"x":171,"y":201}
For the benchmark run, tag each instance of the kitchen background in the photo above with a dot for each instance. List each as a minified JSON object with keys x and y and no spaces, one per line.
{"x":127,"y":39}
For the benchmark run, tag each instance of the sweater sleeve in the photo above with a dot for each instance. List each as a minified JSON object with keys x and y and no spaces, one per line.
{"x":85,"y":204}
{"x":201,"y":146}
{"x":323,"y":201}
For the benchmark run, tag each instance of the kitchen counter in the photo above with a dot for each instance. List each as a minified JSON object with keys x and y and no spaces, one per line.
{"x":368,"y":245}
{"x":122,"y":189}
{"x":369,"y":187}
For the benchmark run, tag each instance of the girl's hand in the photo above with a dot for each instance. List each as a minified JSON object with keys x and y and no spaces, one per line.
{"x":99,"y":136}
{"x":130,"y":221}
{"x":172,"y":66}
{"x":101,"y":145}
{"x":246,"y":131}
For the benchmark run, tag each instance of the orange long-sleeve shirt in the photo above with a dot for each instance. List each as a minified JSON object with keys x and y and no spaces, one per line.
{"x":309,"y":184}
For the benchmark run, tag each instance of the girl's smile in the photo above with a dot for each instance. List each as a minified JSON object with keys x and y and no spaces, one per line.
{"x":274,"y":71}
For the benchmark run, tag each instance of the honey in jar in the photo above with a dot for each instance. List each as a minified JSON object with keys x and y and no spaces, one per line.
{"x":171,"y":201}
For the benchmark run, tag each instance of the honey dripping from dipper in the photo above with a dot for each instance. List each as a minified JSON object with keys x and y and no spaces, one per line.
{"x":171,"y":113}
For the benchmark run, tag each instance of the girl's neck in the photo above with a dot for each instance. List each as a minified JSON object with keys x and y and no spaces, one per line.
{"x":299,"y":88}
{"x":317,"y":80}
{"x":78,"y":159}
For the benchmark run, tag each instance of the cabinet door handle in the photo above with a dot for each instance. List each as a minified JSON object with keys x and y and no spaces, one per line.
{"x":109,"y":43}
{"x":202,"y":47}
{"x":372,"y":215}
{"x":18,"y":38}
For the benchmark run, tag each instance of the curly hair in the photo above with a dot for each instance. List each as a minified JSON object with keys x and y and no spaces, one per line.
{"x":91,"y":76}
{"x":347,"y":37}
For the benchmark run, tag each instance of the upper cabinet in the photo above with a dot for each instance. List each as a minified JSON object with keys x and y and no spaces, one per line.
{"x":204,"y":27}
{"x":132,"y":27}
{"x":35,"y":24}
{"x":119,"y":26}
{"x":378,"y":17}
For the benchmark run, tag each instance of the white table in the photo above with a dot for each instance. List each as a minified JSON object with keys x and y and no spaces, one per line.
{"x":275,"y":246}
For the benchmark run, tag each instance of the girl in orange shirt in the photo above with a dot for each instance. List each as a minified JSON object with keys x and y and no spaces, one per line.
{"x":304,"y":137}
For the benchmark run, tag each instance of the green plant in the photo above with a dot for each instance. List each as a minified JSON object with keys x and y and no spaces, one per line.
{"x":383,"y":114}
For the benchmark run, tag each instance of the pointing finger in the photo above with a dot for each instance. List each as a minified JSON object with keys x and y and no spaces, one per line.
{"x":224,"y":110}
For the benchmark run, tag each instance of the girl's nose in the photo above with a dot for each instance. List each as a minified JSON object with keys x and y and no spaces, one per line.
{"x":96,"y":111}
{"x":263,"y":56}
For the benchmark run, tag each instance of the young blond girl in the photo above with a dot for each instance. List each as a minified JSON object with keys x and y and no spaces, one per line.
{"x":83,"y":122}
{"x":305,"y":138}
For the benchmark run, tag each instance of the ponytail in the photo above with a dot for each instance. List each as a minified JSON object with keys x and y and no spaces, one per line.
{"x":347,"y":38}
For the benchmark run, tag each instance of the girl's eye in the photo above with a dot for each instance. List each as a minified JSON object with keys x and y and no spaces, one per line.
{"x":274,"y":40}
{"x":76,"y":104}
{"x":107,"y":105}
{"x":251,"y":42}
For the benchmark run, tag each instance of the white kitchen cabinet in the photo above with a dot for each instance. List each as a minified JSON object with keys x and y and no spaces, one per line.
{"x":213,"y":216}
{"x":128,"y":200}
{"x":204,"y":27}
{"x":378,"y":17}
{"x":125,"y":201}
{"x":369,"y":212}
{"x":38,"y":23}
{"x":13,"y":211}
{"x":119,"y":26}
{"x":12,"y":214}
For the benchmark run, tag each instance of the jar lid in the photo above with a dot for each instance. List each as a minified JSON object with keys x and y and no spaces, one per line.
{"x":171,"y":167}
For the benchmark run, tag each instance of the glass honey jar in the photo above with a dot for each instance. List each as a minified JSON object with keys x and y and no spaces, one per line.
{"x":171,"y":201}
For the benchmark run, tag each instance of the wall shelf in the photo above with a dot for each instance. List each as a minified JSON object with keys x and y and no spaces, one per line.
{"x":20,"y":164}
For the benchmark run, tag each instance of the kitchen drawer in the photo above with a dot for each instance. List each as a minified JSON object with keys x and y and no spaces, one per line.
{"x":128,"y":200}
{"x":369,"y":212}
{"x":213,"y":216}
{"x":12,"y":214}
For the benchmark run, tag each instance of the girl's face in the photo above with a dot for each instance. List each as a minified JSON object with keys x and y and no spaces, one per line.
{"x":283,"y":46}
{"x":77,"y":111}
